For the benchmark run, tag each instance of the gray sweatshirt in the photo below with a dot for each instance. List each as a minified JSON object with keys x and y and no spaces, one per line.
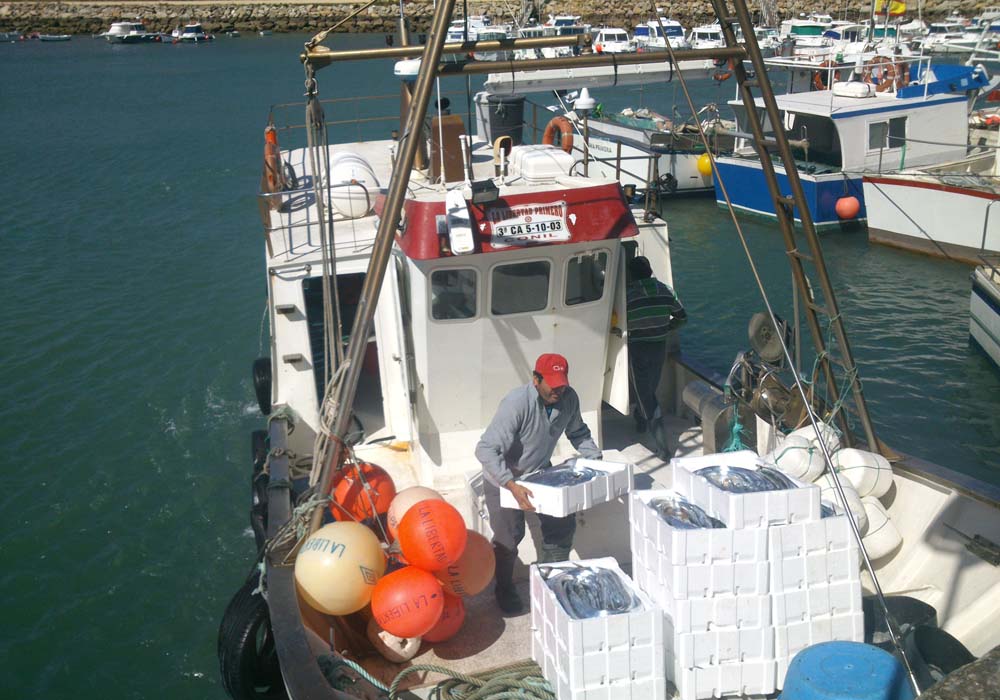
{"x":521,"y":437}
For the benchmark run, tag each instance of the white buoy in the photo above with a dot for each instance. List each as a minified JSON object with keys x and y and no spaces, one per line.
{"x":870,"y":473}
{"x":798,"y":457}
{"x":882,"y":537}
{"x":831,"y":436}
{"x":338,"y":566}
{"x":828,"y":493}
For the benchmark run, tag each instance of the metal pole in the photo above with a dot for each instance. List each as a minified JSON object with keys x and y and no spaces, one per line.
{"x":737,"y":53}
{"x":586,"y":147}
{"x":382,"y":248}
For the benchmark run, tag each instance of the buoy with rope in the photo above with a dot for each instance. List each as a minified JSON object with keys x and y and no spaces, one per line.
{"x":822,"y":79}
{"x":564,"y":128}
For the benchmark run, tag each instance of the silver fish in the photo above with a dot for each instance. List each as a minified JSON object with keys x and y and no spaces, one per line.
{"x":562,"y":476}
{"x":736,"y":479}
{"x":682,"y":514}
{"x":589,"y":591}
{"x":781,"y":480}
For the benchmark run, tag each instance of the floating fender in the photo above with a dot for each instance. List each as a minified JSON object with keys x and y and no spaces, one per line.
{"x":262,"y":383}
{"x":258,"y":487}
{"x":248,"y":661}
{"x":870,"y":473}
{"x":828,"y":493}
{"x":798,"y":457}
{"x":933,"y":654}
{"x":882,"y":537}
{"x":831,"y":436}
{"x":906,"y":611}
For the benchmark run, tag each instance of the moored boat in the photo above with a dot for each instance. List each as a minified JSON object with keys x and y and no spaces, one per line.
{"x":191,"y":34}
{"x":984,"y":309}
{"x":127,"y":32}
{"x":447,"y":276}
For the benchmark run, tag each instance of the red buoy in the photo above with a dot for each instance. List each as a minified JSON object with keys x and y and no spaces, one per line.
{"x":432,"y":535}
{"x":451,"y":620}
{"x":848,"y":207}
{"x":362,"y":491}
{"x":408,"y":602}
{"x":474,"y":569}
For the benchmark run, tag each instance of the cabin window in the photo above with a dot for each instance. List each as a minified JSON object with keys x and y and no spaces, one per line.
{"x":585,"y":278}
{"x":887,"y":134}
{"x":453,"y":294}
{"x":520,"y":288}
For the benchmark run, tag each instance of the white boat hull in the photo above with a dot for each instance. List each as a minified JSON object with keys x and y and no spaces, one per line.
{"x":984,"y":312}
{"x":920,"y":213}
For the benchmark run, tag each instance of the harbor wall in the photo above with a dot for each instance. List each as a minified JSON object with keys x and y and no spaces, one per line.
{"x":299,"y":16}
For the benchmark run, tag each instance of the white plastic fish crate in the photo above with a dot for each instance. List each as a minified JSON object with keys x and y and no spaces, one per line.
{"x":814,"y":569}
{"x":719,"y":646}
{"x":684,"y":581}
{"x":723,"y":680}
{"x":743,"y":510}
{"x":702,"y":546}
{"x":816,"y":602}
{"x":791,"y":639}
{"x":560,"y":501}
{"x":816,"y":536}
{"x":601,"y":658}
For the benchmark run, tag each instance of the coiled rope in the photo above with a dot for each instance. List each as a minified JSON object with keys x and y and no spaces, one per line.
{"x":520,"y":681}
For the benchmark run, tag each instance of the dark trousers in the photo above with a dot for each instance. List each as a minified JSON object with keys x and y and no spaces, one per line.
{"x":508,"y":524}
{"x":646,"y":364}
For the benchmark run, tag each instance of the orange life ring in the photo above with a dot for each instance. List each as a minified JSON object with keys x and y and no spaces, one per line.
{"x":888,"y":73}
{"x":720,"y":76}
{"x":820,"y":75}
{"x":565,"y":129}
{"x":273,"y":180}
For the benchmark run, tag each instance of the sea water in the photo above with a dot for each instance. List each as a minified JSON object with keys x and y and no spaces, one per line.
{"x":133,"y":293}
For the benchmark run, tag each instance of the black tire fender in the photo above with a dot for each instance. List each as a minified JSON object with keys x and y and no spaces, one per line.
{"x":248,"y":660}
{"x":262,"y":383}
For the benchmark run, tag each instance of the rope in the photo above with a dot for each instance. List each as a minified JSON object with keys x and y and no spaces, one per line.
{"x":521,"y":681}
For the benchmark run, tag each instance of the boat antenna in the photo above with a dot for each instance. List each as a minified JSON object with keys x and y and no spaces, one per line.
{"x":753,"y":50}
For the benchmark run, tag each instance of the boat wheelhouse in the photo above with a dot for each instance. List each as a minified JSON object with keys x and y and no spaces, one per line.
{"x":613,"y":40}
{"x":654,"y":35}
{"x":130,"y":33}
{"x":852,"y":129}
{"x":191,"y":34}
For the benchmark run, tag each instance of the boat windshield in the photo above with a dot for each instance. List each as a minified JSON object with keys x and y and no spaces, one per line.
{"x":614,"y":36}
{"x":807,"y":30}
{"x":669,"y":30}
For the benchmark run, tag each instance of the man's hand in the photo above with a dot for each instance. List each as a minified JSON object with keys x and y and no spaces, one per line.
{"x":521,"y":495}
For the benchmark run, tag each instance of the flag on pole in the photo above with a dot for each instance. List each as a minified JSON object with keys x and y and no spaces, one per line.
{"x":894,"y":8}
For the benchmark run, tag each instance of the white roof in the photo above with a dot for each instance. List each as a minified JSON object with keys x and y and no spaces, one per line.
{"x":824,"y":103}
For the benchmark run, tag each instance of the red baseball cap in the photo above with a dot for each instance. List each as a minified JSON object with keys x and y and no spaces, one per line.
{"x":554,"y":369}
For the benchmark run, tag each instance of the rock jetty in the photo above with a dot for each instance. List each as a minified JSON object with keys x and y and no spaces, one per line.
{"x":298,"y":16}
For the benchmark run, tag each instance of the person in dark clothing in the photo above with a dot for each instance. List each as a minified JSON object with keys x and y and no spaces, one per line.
{"x":654,"y":312}
{"x":520,"y":440}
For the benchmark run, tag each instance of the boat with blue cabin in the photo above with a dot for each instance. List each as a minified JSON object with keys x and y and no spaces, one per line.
{"x":880,"y":122}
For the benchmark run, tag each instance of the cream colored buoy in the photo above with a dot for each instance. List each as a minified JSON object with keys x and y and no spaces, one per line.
{"x":830,"y":435}
{"x":402,"y":503}
{"x":828,"y":493}
{"x":870,"y":473}
{"x":392,"y":648}
{"x":798,"y":457}
{"x":338,"y":566}
{"x":882,"y":537}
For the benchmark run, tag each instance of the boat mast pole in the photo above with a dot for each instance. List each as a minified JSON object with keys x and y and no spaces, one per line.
{"x":382,"y":249}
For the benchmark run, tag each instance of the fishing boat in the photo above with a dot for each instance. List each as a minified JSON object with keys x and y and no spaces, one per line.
{"x":944,"y":210}
{"x":613,"y":40}
{"x":127,"y":32}
{"x":655,"y":34}
{"x":858,"y":127}
{"x":55,"y":37}
{"x":191,"y":34}
{"x":445,"y":272}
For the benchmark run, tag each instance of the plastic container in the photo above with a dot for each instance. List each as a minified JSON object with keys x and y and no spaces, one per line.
{"x":848,"y":671}
{"x":870,"y":473}
{"x":353,"y":185}
{"x":506,"y":115}
{"x":560,"y":501}
{"x":882,"y":537}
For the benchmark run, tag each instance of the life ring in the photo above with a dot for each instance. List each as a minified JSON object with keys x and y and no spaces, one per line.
{"x":723,"y":69}
{"x":887,"y":72}
{"x":565,"y":129}
{"x":820,"y":75}
{"x":273,"y":177}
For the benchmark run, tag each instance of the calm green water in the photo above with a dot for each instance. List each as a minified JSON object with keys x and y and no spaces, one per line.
{"x":133,"y":295}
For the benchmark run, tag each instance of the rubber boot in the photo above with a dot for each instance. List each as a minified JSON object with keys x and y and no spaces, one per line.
{"x":552,"y":553}
{"x":507,"y":597}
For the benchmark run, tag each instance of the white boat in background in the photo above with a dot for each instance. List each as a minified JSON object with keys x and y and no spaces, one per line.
{"x":707,"y":36}
{"x":613,"y":40}
{"x":467,"y":28}
{"x":984,"y":309}
{"x":941,"y":37}
{"x":191,"y":34}
{"x":130,"y":32}
{"x":55,"y":37}
{"x":807,"y":35}
{"x":945,"y":210}
{"x":654,"y":35}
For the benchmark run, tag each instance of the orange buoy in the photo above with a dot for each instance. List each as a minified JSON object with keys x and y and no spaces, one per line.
{"x":474,"y":569}
{"x":848,"y":207}
{"x":362,"y":491}
{"x":403,"y":501}
{"x":564,"y":128}
{"x":432,"y":535}
{"x":408,"y":603}
{"x":337,"y":568}
{"x":451,"y":620}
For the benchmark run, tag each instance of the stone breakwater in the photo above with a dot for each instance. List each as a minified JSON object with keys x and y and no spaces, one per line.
{"x":295,"y":16}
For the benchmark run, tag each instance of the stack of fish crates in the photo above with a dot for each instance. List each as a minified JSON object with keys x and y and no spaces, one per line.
{"x":605,"y":657}
{"x":739,"y":602}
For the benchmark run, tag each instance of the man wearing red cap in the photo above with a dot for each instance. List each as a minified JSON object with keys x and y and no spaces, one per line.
{"x":518,"y":441}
